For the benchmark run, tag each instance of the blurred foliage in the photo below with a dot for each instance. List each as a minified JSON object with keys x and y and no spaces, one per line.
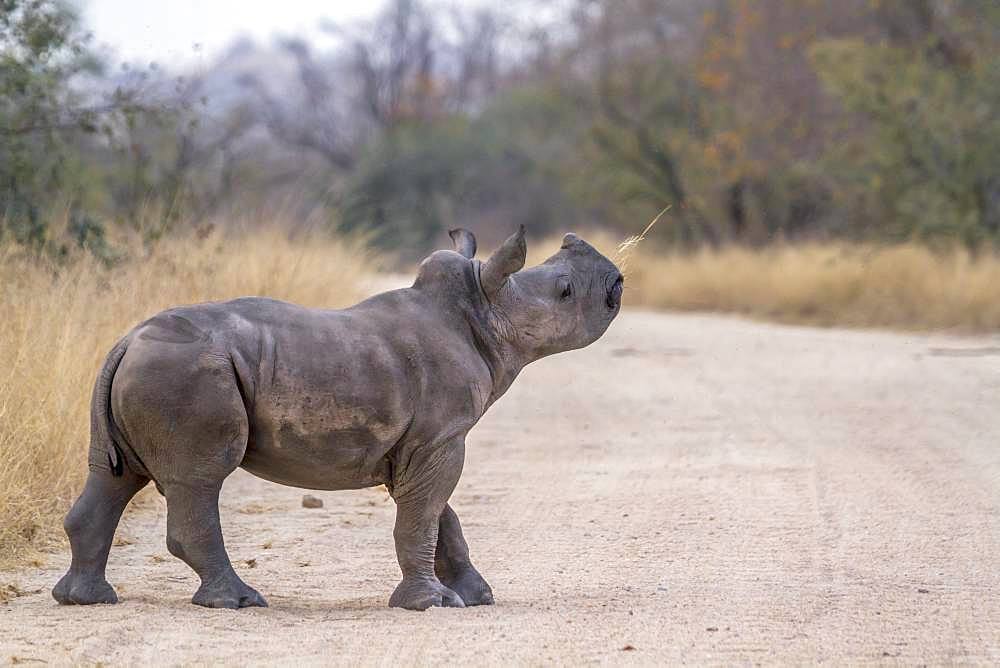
{"x":68,"y":131}
{"x":756,"y":120}
{"x":41,"y":49}
{"x":927,"y":165}
{"x":422,"y":178}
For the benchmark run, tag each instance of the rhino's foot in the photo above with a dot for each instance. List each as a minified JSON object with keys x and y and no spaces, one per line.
{"x":228,"y":592}
{"x":420,"y":594}
{"x":471,"y":586}
{"x":75,"y":589}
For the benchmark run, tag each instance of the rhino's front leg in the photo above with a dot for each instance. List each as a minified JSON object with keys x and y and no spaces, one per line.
{"x":452,"y":563}
{"x":421,"y":491}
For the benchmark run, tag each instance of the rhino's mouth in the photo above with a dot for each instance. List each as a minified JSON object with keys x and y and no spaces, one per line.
{"x":614,"y":298}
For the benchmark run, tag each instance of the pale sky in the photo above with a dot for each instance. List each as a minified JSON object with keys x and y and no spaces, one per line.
{"x":175,"y":32}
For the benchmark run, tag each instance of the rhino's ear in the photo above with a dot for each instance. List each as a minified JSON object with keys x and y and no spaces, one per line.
{"x":464,"y":240}
{"x":505,"y":261}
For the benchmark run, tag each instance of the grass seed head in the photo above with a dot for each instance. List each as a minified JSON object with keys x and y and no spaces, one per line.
{"x":627,"y":247}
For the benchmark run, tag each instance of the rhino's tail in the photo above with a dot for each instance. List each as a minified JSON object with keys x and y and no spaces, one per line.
{"x":105,"y":451}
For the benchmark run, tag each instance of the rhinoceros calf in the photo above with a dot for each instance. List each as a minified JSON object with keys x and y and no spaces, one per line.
{"x":383,"y":392}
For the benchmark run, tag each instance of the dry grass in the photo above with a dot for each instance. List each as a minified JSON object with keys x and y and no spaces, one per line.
{"x":904,"y":286}
{"x":58,"y":322}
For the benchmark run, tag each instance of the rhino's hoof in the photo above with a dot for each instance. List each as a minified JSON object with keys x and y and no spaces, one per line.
{"x":423,"y":594}
{"x":471,"y":586}
{"x":83,"y":590}
{"x":229,"y":593}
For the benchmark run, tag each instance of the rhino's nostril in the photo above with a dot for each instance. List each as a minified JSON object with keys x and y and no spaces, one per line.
{"x":615,"y":293}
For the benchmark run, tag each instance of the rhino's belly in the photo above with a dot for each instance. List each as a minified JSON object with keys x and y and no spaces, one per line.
{"x":327,"y":461}
{"x":315,"y":454}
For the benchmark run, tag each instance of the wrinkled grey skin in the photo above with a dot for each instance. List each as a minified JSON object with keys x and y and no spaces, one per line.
{"x":383,"y":392}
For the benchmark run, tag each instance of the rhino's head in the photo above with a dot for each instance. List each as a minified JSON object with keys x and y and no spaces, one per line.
{"x":567,"y":302}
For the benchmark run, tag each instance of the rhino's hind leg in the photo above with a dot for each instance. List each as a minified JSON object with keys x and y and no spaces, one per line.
{"x":421,"y":492}
{"x":194,"y":535}
{"x":90,"y":525}
{"x":453,"y":566}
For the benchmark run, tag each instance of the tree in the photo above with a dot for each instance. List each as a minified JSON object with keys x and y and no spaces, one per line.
{"x":423,"y":179}
{"x":929,"y":95}
{"x":57,"y":110}
{"x":41,"y":49}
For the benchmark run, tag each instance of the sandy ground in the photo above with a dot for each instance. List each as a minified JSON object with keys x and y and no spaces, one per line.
{"x":690,"y":489}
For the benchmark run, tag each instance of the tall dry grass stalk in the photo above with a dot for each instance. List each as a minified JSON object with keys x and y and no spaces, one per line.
{"x":904,"y":286}
{"x":623,"y":254}
{"x":57,"y":322}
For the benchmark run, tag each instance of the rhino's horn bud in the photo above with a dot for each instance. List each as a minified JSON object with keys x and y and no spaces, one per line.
{"x":506,"y":260}
{"x":569,"y":240}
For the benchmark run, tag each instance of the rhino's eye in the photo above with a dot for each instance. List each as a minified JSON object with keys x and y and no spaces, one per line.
{"x":567,"y":291}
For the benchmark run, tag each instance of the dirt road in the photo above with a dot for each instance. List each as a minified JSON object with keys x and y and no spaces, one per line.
{"x":690,"y":488}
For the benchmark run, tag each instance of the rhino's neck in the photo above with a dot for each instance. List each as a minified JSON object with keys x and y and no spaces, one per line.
{"x":460,"y":304}
{"x":494,"y":338}
{"x":502,"y":358}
